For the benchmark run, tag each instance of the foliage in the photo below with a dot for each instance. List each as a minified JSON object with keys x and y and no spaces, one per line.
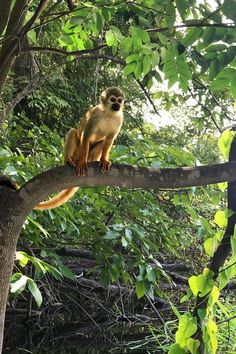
{"x":189,"y":70}
{"x":19,"y":281}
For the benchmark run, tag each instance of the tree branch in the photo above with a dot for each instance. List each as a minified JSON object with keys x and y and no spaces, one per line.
{"x":71,"y":5}
{"x":193,"y":24}
{"x":5,"y":6}
{"x":35,"y":16}
{"x":63,"y":51}
{"x":143,"y":88}
{"x":63,"y":177}
{"x":29,"y":88}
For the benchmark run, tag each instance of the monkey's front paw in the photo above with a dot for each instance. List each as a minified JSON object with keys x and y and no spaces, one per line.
{"x":106,"y":164}
{"x":71,"y":161}
{"x":81,"y":168}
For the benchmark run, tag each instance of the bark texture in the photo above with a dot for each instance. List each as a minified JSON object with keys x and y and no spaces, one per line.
{"x":63,"y":177}
{"x":11,"y":221}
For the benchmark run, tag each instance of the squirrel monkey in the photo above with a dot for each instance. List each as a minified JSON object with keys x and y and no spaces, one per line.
{"x":92,"y":140}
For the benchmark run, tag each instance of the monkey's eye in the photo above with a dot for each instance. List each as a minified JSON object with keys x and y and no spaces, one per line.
{"x":113,"y":99}
{"x":119,"y":100}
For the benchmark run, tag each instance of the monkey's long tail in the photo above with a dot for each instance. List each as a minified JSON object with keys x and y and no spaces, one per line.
{"x":58,"y":200}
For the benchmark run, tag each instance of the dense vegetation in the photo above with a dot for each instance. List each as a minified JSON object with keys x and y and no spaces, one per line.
{"x":141,"y":257}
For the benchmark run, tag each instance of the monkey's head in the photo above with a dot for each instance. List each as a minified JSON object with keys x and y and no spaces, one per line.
{"x":113,"y":99}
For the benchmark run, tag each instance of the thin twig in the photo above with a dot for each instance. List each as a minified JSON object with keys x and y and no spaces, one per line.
{"x":148,"y":97}
{"x":154,"y":309}
{"x":190,"y":25}
{"x":205,"y":108}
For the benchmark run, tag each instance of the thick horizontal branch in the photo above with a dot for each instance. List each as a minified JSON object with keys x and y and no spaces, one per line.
{"x":63,"y":177}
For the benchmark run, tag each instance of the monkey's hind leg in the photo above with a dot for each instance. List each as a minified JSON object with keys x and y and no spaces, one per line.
{"x":71,"y":148}
{"x":95,"y":152}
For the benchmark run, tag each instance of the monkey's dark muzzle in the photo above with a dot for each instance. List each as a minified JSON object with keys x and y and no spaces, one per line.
{"x":115,"y":107}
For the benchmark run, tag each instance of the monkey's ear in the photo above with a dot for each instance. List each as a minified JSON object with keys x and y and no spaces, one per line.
{"x":103,"y":97}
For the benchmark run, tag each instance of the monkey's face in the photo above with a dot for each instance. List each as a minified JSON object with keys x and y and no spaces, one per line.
{"x":116,"y":103}
{"x":112,"y":99}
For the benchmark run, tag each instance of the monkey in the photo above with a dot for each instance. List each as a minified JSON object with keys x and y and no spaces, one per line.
{"x":91,"y":141}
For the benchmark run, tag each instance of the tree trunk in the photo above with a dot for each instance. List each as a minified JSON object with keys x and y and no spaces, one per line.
{"x":9,"y":48}
{"x":11,"y":221}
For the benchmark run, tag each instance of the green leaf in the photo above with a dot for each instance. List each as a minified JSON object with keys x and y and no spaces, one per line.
{"x":155,"y":59}
{"x":151,"y":274}
{"x":192,"y":36}
{"x":202,"y":284}
{"x":73,"y":22}
{"x":220,"y":219}
{"x":52,"y":270}
{"x":213,"y":296}
{"x":117,"y":33}
{"x":220,"y":33}
{"x":186,"y":296}
{"x":5,"y":153}
{"x":219,"y":84}
{"x":107,"y":13}
{"x":19,"y":285}
{"x":194,"y":286}
{"x":140,"y":288}
{"x":126,"y":45}
{"x":222,"y":186}
{"x":99,"y":21}
{"x":182,"y":6}
{"x":112,"y":235}
{"x":210,"y":246}
{"x":110,"y":38}
{"x":170,"y":13}
{"x":233,"y":242}
{"x":214,"y":69}
{"x":224,"y":142}
{"x":193,"y":345}
{"x":33,"y":288}
{"x":128,"y":235}
{"x":229,"y":9}
{"x":216,"y":47}
{"x":176,"y":349}
{"x":200,"y":60}
{"x":208,"y":35}
{"x":10,"y":170}
{"x":231,"y":52}
{"x":66,"y":272}
{"x":32,"y":36}
{"x":147,"y":64}
{"x":228,"y":272}
{"x":140,"y":33}
{"x":132,"y":57}
{"x":183,"y":71}
{"x":139,"y":69}
{"x":66,"y":39}
{"x":233,"y":86}
{"x":22,"y":257}
{"x":38,"y":225}
{"x":105,"y":278}
{"x":130,"y":68}
{"x":212,"y":331}
{"x":163,"y":39}
{"x":187,"y":327}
